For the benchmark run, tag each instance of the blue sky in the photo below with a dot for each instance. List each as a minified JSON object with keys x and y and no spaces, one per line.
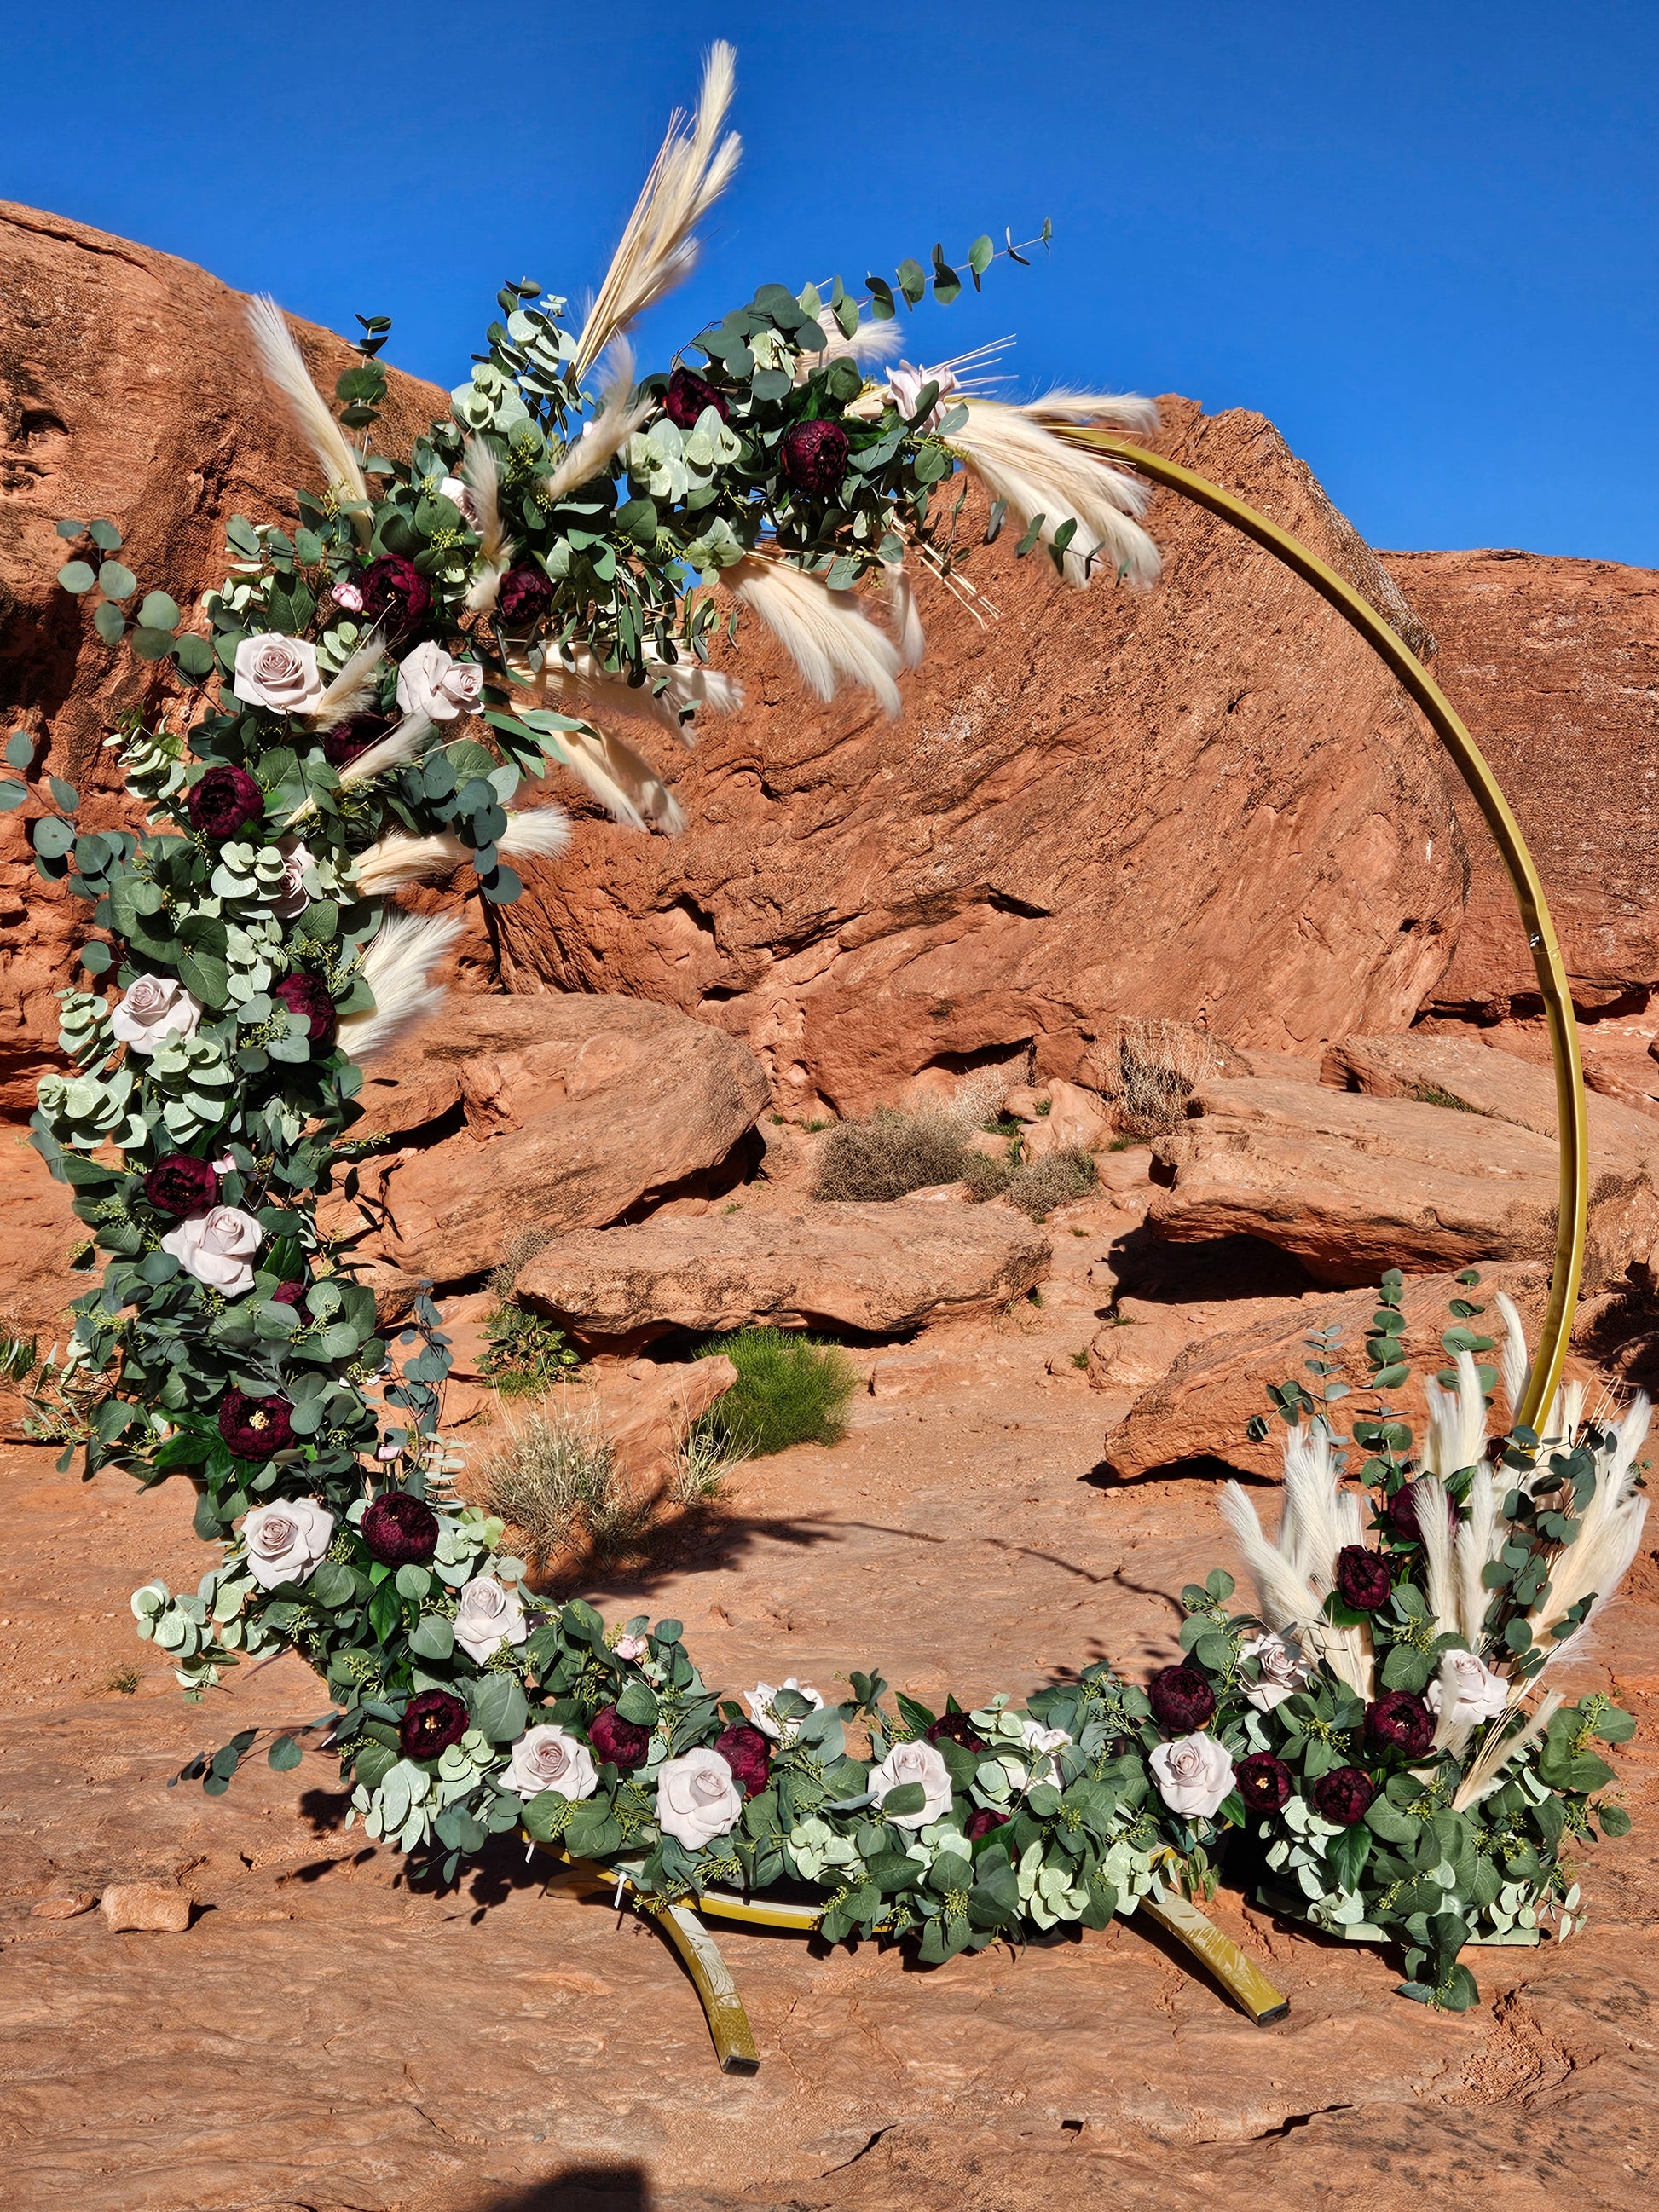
{"x":1420,"y":237}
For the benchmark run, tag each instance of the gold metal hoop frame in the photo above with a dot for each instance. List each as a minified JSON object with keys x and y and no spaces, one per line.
{"x":728,"y":2023}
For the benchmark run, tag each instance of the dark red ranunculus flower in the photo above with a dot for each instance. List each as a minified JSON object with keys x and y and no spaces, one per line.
{"x":395,"y":594}
{"x":955,"y":1728}
{"x":254,"y":1428}
{"x":225,"y":802}
{"x":524,"y":596}
{"x":1363,"y":1579}
{"x":401,"y":1530}
{"x":624,"y":1743}
{"x":181,"y":1184}
{"x":747,"y":1755}
{"x":815,"y":457}
{"x":1263,"y":1782}
{"x":431,"y":1723}
{"x":306,"y":995}
{"x":343,"y":743}
{"x":1397,"y":1721}
{"x":288,"y":1294}
{"x":980,"y":1822}
{"x":686,"y":398}
{"x":1181,"y":1698}
{"x":1343,"y":1795}
{"x":1401,"y":1513}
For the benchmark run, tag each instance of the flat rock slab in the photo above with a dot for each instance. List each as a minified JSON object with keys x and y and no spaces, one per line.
{"x":882,"y":1268}
{"x":541,"y":1114}
{"x":1353,"y":1185}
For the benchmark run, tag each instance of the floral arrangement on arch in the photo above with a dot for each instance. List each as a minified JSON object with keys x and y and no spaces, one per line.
{"x":375,"y":697}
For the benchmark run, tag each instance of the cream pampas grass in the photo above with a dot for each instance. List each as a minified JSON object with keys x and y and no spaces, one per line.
{"x":1500,"y":1750}
{"x":1456,"y":1435}
{"x":907,"y":622}
{"x":625,"y":785}
{"x":1016,"y":456}
{"x":1291,"y":1589}
{"x":406,"y":742}
{"x":284,"y":364}
{"x":495,"y":555}
{"x":355,"y":686}
{"x":1434,"y":1523}
{"x":826,"y":633}
{"x":659,"y":248}
{"x":871,"y":342}
{"x":399,"y":859}
{"x":397,"y":966}
{"x":604,"y":436}
{"x":584,"y":679}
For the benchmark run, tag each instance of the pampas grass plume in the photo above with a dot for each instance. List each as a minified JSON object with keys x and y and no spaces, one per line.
{"x":397,"y":966}
{"x":826,"y":633}
{"x":284,"y":365}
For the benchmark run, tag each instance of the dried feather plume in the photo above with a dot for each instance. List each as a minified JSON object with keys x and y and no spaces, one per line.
{"x":624,"y":783}
{"x":658,"y":247}
{"x":674,"y":691}
{"x":826,"y":633}
{"x":398,"y":968}
{"x":355,"y":686}
{"x":405,"y":741}
{"x":482,"y":481}
{"x":284,"y":363}
{"x":604,"y":436}
{"x":1016,"y":456}
{"x":399,"y":859}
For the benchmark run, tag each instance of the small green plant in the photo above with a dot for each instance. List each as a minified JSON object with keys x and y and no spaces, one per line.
{"x":124,"y":1681}
{"x":1431,"y":1094}
{"x":528,"y":1355}
{"x":1081,"y":1358}
{"x":791,"y":1390}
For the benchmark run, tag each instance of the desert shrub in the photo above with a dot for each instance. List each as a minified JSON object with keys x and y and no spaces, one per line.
{"x":791,"y":1390}
{"x":703,"y":1461}
{"x":1037,"y":1187}
{"x":553,"y":1480}
{"x":528,"y":1355}
{"x":517,"y":1252}
{"x":888,"y":1155}
{"x":1160,"y":1065}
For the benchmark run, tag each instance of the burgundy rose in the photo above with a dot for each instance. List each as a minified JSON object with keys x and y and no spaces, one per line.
{"x":1401,"y":1513}
{"x":524,"y":596}
{"x":254,"y":1428}
{"x":747,"y":1755}
{"x":981,"y":1823}
{"x":343,"y":743}
{"x":624,"y":1743}
{"x":395,"y":594}
{"x":1181,"y":1698}
{"x":1397,"y":1721}
{"x":305,"y":994}
{"x":401,"y":1530}
{"x":955,"y":1728}
{"x":288,"y":1294}
{"x":1263,"y":1782}
{"x":815,"y":457}
{"x":224,"y":803}
{"x":1363,"y":1579}
{"x":687,"y":396}
{"x":1343,"y":1795}
{"x":181,"y":1184}
{"x":431,"y":1723}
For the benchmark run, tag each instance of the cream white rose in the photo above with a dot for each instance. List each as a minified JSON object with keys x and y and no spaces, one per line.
{"x":285,"y":1541}
{"x":697,"y":1798}
{"x":217,"y":1248}
{"x":1193,"y":1774}
{"x":906,"y":384}
{"x":1466,"y":1691}
{"x":759,"y":1702}
{"x":1043,"y":1741}
{"x":291,"y":896}
{"x":550,"y":1759}
{"x":489,"y":1616}
{"x":913,"y":1762}
{"x":155,"y":1007}
{"x":277,"y":672}
{"x":429,"y":683}
{"x":1284,"y":1671}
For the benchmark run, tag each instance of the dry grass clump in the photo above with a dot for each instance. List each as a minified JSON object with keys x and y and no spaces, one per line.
{"x":1037,"y":1187}
{"x":1160,"y":1065}
{"x":553,"y":1479}
{"x":893,"y":1153}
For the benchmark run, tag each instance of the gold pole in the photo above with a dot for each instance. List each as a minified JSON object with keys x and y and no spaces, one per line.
{"x":1247,"y":1986}
{"x":1572,"y":1132}
{"x":728,"y":2023}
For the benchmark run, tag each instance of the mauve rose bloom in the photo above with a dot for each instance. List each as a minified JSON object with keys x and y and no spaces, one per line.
{"x":153,"y":1009}
{"x":980,"y":1821}
{"x":913,"y":1762}
{"x":955,"y":1728}
{"x":343,"y":743}
{"x":278,"y":673}
{"x":747,"y":1755}
{"x":489,"y":1616}
{"x":1181,"y":1698}
{"x":524,"y":596}
{"x":814,"y":457}
{"x":631,"y":1647}
{"x":254,"y":1428}
{"x":1263,"y":1782}
{"x":430,"y":682}
{"x":181,"y":1184}
{"x":623,"y":1743}
{"x":395,"y":594}
{"x":1363,"y":1579}
{"x":286,"y":1541}
{"x":1466,"y":1691}
{"x":697,"y":1798}
{"x":292,"y":898}
{"x":217,"y":1248}
{"x":1397,"y":1721}
{"x":305,"y":994}
{"x":401,"y":1530}
{"x":687,"y":396}
{"x":431,"y":1723}
{"x":1343,"y":1795}
{"x":1284,"y":1671}
{"x":225,"y":802}
{"x":1193,"y":1773}
{"x":550,"y":1757}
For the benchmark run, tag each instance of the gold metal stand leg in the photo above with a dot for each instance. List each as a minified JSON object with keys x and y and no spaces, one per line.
{"x":1249,"y":1989}
{"x":728,"y":2023}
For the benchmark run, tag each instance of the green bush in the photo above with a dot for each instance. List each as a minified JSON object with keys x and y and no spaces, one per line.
{"x":791,"y":1390}
{"x":527,"y":1356}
